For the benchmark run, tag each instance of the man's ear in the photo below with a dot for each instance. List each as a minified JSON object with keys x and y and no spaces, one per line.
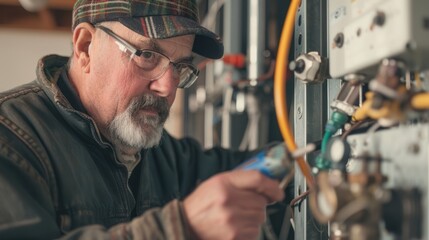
{"x":83,"y":36}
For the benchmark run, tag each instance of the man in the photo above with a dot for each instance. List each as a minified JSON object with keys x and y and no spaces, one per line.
{"x":83,"y":153}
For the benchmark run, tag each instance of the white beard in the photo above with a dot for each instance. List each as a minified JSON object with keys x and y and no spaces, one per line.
{"x":135,"y":130}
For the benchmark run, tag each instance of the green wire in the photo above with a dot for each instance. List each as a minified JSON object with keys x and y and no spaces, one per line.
{"x":325,"y":140}
{"x":337,"y":121}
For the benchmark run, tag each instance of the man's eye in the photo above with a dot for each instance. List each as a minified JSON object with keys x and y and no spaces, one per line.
{"x":147,"y":55}
{"x":149,"y":61}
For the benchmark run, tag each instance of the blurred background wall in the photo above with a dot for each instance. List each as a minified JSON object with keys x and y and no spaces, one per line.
{"x":20,"y":49}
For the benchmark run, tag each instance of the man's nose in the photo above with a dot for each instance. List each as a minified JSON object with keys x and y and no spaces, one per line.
{"x":167,"y":83}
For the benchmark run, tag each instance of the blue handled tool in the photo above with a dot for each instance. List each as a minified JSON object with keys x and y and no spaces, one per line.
{"x":274,"y":162}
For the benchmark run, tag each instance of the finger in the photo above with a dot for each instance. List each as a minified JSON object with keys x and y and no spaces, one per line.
{"x":250,"y":200}
{"x":248,"y":233}
{"x":255,"y":181}
{"x":251,"y":229}
{"x":246,"y":217}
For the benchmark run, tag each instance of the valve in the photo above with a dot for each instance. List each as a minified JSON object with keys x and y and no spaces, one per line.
{"x":310,"y":67}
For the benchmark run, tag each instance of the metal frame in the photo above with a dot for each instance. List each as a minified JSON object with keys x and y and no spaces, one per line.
{"x":310,"y":106}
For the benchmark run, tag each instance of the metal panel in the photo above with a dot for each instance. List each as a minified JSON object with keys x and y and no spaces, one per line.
{"x":310,"y":106}
{"x":361,"y":29}
{"x":405,"y":155}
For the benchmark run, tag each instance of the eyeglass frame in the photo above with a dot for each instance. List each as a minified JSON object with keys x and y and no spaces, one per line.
{"x":126,"y":46}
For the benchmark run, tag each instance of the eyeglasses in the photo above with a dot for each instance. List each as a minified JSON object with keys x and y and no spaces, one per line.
{"x":154,"y":63}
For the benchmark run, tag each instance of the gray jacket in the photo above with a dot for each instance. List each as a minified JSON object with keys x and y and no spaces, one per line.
{"x":60,"y":178}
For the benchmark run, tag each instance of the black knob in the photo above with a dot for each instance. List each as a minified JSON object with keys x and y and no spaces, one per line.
{"x":339,"y":40}
{"x":379,"y":19}
{"x":297,"y":66}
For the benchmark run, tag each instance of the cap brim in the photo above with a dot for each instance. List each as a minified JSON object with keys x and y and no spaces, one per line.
{"x":206,"y":44}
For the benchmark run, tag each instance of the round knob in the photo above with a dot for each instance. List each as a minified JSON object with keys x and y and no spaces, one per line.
{"x":297,"y":66}
{"x":338,"y":151}
{"x":379,"y":19}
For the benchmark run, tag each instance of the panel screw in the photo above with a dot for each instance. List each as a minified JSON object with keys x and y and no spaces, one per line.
{"x":299,"y":112}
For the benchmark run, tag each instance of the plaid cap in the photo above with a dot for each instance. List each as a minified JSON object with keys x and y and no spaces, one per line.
{"x":157,"y":19}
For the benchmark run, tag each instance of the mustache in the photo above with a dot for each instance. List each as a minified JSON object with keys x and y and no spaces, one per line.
{"x":152,"y":102}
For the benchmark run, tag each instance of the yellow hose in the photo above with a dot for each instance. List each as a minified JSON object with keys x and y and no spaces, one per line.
{"x":280,"y":88}
{"x":420,"y":101}
{"x":366,"y":111}
{"x":391,"y":109}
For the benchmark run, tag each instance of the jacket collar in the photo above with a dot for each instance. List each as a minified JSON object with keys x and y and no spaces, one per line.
{"x":53,"y":79}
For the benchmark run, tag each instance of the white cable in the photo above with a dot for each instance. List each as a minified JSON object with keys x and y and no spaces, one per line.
{"x":250,"y":137}
{"x":226,"y":118}
{"x":304,"y":150}
{"x":383,"y":89}
{"x":33,"y":5}
{"x":254,"y":131}
{"x":209,"y":21}
{"x":245,"y":140}
{"x":254,"y":116}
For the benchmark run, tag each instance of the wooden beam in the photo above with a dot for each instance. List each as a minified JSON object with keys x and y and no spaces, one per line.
{"x":61,"y":4}
{"x":57,"y":4}
{"x":47,"y":19}
{"x":10,"y":2}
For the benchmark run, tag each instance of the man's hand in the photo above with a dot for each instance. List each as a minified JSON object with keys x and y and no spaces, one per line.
{"x":231,"y":205}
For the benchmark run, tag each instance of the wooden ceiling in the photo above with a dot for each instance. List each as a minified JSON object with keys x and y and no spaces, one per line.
{"x":57,"y":16}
